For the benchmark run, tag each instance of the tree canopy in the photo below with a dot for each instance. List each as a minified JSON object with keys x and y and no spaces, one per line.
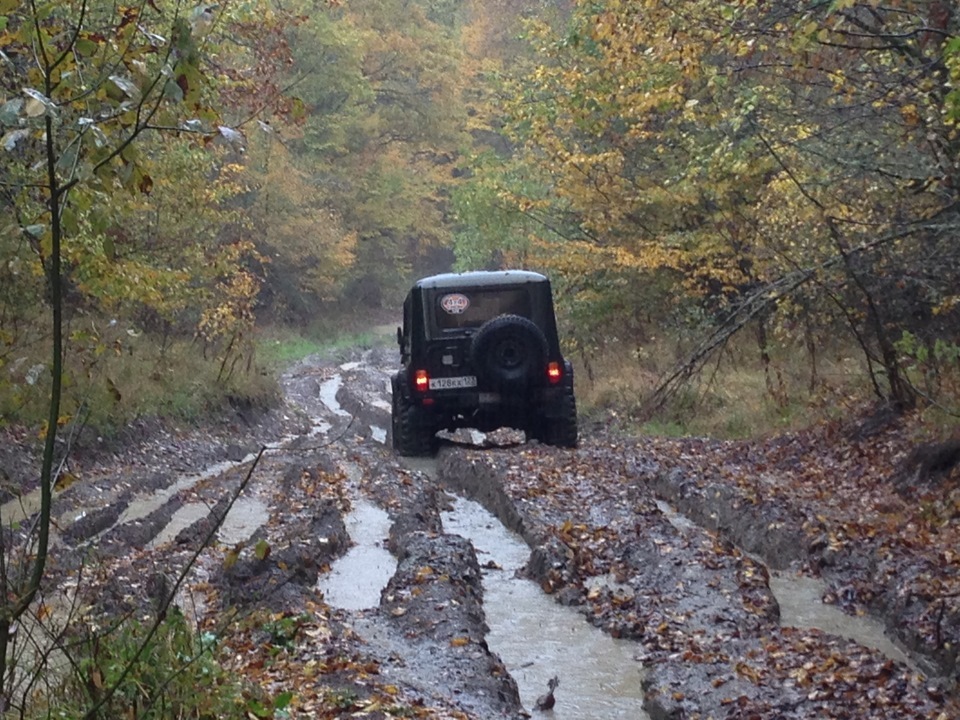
{"x":774,"y":163}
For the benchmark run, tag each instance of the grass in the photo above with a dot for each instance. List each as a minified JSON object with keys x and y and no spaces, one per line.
{"x":115,"y":377}
{"x":731,"y":398}
{"x":114,"y":373}
{"x":278,"y":347}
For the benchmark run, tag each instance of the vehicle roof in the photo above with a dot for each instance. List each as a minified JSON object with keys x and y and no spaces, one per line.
{"x":480,"y":278}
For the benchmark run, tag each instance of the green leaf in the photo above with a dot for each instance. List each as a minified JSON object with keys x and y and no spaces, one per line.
{"x":282,"y":700}
{"x":258,"y":710}
{"x":86,"y":47}
{"x":68,"y":221}
{"x":3,"y":22}
{"x":262,"y":550}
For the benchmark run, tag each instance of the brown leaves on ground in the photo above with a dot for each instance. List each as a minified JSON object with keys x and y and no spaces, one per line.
{"x":873,"y":523}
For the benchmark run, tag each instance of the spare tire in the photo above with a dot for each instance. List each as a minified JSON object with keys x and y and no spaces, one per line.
{"x":508,"y":352}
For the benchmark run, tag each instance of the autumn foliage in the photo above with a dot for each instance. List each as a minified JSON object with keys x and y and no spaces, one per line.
{"x":721,"y":166}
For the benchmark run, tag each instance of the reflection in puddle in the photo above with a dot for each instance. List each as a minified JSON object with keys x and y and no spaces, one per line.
{"x":246,"y":515}
{"x":328,"y":396}
{"x":538,"y":638}
{"x":356,"y":579}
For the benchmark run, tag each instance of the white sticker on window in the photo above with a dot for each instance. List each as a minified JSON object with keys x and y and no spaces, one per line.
{"x":455,"y":303}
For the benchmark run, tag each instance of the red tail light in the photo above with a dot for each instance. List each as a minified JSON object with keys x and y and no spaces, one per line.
{"x":554,"y":372}
{"x":421,"y":380}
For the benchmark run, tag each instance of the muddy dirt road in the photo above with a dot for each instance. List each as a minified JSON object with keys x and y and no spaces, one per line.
{"x":457,"y":587}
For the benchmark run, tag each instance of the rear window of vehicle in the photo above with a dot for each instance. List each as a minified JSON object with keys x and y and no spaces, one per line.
{"x":462,"y":309}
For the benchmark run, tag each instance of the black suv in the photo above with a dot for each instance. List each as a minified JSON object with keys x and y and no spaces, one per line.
{"x":480,"y":350}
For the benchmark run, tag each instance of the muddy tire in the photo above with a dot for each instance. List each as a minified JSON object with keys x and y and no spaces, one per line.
{"x":561,"y":431}
{"x":509,"y":352}
{"x":413,"y":429}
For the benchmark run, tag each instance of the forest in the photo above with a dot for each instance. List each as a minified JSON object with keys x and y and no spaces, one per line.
{"x":774,"y":181}
{"x":749,"y":211}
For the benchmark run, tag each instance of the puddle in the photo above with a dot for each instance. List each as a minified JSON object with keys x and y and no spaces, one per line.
{"x":538,"y":638}
{"x":801,"y":605}
{"x":246,"y":515}
{"x":140,"y":507}
{"x":378,"y":434}
{"x":356,"y":579}
{"x":328,"y":395}
{"x":13,"y":512}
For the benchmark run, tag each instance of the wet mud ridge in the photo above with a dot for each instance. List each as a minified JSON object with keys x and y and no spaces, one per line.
{"x":692,"y":574}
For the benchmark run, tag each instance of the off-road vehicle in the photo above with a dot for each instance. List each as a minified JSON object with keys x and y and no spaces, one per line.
{"x":480,"y":350}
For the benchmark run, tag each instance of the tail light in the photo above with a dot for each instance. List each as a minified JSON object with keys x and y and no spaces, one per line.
{"x":421,"y":380}
{"x":554,"y":372}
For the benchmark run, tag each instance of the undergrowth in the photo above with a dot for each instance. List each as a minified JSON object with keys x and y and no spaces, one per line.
{"x":107,"y":386}
{"x":733,"y":397}
{"x":173,"y":674}
{"x":116,"y":373}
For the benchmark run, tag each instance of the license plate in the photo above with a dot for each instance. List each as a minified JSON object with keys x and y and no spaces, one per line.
{"x":448,"y":383}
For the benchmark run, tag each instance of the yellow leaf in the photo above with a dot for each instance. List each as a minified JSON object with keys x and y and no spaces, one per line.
{"x":230,"y":559}
{"x":262,"y":550}
{"x":64,"y":480}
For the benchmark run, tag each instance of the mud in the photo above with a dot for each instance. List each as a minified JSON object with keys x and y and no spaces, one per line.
{"x":784,"y":537}
{"x":693,"y":597}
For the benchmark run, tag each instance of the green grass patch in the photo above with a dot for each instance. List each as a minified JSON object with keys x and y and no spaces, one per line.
{"x":279,"y":347}
{"x":173,"y":673}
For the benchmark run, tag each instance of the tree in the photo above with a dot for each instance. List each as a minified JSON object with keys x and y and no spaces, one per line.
{"x":772,"y":162}
{"x":85,"y":84}
{"x":380,"y":134}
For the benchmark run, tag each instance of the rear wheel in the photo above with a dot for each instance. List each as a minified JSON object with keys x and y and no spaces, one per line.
{"x":560,"y":431}
{"x":414,"y":432}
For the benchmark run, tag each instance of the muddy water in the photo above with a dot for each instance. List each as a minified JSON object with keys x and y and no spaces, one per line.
{"x":244,"y":518}
{"x":14,"y":512}
{"x":537,"y":638}
{"x":801,"y":605}
{"x":356,"y":579}
{"x":328,"y":395}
